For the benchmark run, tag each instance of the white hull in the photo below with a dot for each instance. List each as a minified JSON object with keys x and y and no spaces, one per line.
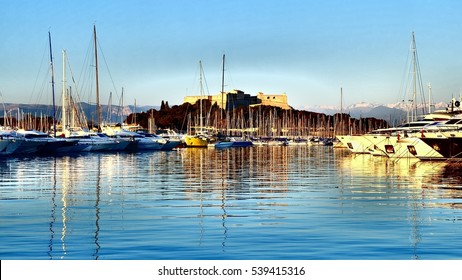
{"x":401,"y":147}
{"x":354,"y":143}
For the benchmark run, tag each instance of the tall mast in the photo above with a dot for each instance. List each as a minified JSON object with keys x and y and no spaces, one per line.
{"x":414,"y":73}
{"x":222,"y":87}
{"x":98,"y":107}
{"x":429,"y":98}
{"x":134,"y":113}
{"x":200,"y":103}
{"x":109,"y":108}
{"x":122,"y":102}
{"x":52,"y":85}
{"x":341,"y":110}
{"x":64,"y":113}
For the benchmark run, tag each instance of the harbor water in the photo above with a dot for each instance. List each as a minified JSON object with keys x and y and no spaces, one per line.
{"x":291,"y":202}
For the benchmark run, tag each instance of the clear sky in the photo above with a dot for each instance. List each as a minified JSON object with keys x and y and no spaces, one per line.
{"x":307,"y":49}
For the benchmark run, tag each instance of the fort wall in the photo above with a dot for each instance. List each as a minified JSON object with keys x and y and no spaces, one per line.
{"x":237,"y":98}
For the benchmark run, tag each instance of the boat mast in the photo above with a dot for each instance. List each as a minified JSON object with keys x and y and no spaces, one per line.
{"x":414,"y":76}
{"x":429,"y":98}
{"x":64,"y":113}
{"x":222,"y":87}
{"x":341,"y":111}
{"x":52,"y":85}
{"x":109,"y":109}
{"x":122,"y":105}
{"x":134,"y":113}
{"x":200,"y":103}
{"x":98,"y":107}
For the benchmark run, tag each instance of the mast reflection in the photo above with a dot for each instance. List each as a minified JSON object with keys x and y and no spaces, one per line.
{"x":70,"y":194}
{"x":97,"y":209}
{"x":53,"y":211}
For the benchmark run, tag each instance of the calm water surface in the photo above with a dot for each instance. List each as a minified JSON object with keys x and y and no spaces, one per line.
{"x":241,"y":203}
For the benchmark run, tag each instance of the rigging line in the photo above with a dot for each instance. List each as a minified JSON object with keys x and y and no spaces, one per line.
{"x":229,"y":77}
{"x":77,"y":91}
{"x":196,"y":83}
{"x":107,"y":67}
{"x":45,"y":52}
{"x":456,"y":156}
{"x":205,"y":81}
{"x":5,"y":118}
{"x":184,"y":119}
{"x":405,"y":79}
{"x":421,"y":87}
{"x":87,"y":72}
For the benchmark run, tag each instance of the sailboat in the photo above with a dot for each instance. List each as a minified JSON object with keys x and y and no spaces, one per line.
{"x":236,"y":141}
{"x":94,"y":141}
{"x":71,"y":134}
{"x":227,"y":141}
{"x":223,"y":142}
{"x":200,"y":137}
{"x":32,"y":141}
{"x":54,"y":144}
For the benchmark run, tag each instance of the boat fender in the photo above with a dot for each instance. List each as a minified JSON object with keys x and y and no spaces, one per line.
{"x":399,"y":136}
{"x":422,"y":135}
{"x":457,"y":103}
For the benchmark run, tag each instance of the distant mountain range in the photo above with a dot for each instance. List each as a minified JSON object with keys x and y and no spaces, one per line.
{"x":112,"y":114}
{"x":394,"y":113}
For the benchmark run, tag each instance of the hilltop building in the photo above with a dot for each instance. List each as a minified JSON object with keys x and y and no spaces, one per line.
{"x":237,"y":98}
{"x":275,"y":100}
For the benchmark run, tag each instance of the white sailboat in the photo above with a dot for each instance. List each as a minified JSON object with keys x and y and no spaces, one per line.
{"x":93,"y":141}
{"x":55,"y":144}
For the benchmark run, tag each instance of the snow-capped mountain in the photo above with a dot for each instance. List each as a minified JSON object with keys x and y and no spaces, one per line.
{"x":393,"y":112}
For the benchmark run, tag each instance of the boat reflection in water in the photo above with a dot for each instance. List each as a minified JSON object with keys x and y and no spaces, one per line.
{"x":427,"y":192}
{"x":64,"y":224}
{"x":268,"y":202}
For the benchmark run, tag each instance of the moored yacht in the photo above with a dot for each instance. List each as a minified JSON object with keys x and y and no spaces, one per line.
{"x":138,"y":142}
{"x":9,"y":143}
{"x":407,"y":140}
{"x":445,"y":138}
{"x":28,"y":146}
{"x":355,"y":144}
{"x":167,"y":144}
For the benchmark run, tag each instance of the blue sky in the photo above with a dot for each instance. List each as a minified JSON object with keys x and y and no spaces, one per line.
{"x":307,"y":49}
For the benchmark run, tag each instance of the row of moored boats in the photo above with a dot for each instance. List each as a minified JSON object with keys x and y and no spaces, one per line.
{"x":25,"y":142}
{"x":76,"y":140}
{"x":205,"y":140}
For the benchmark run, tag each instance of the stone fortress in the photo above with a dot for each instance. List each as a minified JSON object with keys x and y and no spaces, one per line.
{"x":237,"y":98}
